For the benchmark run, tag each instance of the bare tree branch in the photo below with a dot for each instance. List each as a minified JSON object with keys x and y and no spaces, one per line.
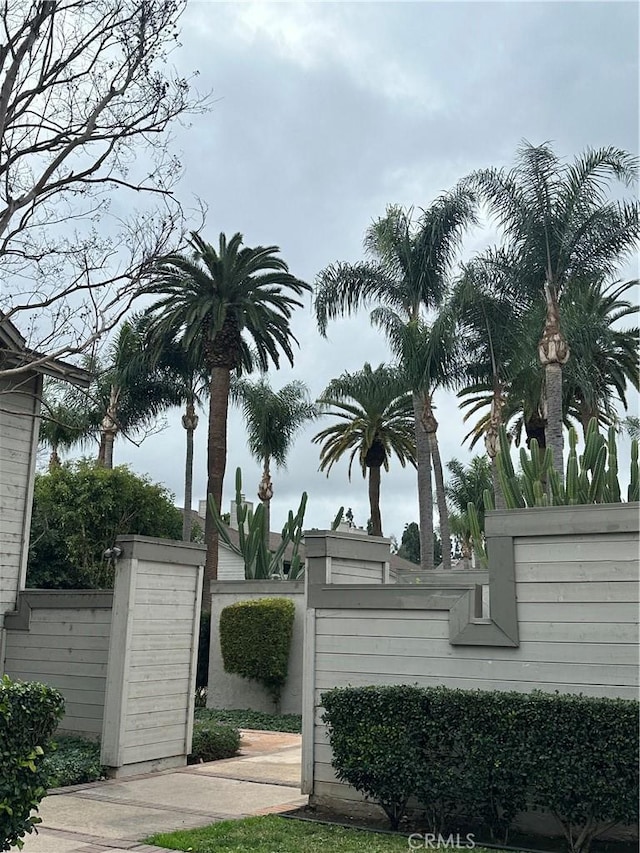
{"x":87,"y":101}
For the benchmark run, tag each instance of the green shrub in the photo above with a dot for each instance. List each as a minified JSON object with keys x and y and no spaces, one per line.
{"x":479,"y":757}
{"x":78,"y":510}
{"x":29,"y":714}
{"x":586,"y":772}
{"x":249,"y":719}
{"x":212,"y":741}
{"x":255,"y":638}
{"x":72,"y":761}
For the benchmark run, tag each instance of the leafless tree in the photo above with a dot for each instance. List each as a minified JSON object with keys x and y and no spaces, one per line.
{"x":87,"y":177}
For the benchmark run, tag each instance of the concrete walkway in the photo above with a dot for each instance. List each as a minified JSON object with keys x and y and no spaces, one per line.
{"x":116,"y":815}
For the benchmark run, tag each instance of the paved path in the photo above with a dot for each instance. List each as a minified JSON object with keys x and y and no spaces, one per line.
{"x":116,"y":815}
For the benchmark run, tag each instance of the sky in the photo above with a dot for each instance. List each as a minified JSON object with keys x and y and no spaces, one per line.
{"x":325,"y":113}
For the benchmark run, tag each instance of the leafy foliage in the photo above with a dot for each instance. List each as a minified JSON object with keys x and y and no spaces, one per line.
{"x":72,"y":761}
{"x":29,"y":714}
{"x":255,"y":639}
{"x":78,"y":510}
{"x":481,"y":757}
{"x":272,"y":418}
{"x":249,"y":719}
{"x":213,"y":741}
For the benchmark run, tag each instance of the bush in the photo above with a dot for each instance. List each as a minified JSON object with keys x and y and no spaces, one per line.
{"x":78,"y":510}
{"x":255,"y":638}
{"x":72,"y":761}
{"x":29,"y":714}
{"x":481,"y":757}
{"x":249,"y":719}
{"x":212,"y":741}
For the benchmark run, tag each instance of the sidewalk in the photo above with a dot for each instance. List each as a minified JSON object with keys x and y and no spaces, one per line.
{"x":115,"y":815}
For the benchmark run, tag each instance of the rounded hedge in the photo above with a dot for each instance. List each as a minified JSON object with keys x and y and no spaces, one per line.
{"x":213,"y":741}
{"x":255,"y":639}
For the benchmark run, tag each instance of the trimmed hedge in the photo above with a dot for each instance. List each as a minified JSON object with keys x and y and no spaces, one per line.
{"x":212,"y":741}
{"x":29,"y":714}
{"x":479,"y":758}
{"x":255,"y":639}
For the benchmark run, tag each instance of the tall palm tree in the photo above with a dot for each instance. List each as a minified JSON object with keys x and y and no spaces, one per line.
{"x":127,"y":393}
{"x":605,"y":361}
{"x":375,"y":420}
{"x":562,"y":226}
{"x":185,"y":368}
{"x":490,"y":317}
{"x":273,"y":419}
{"x":406,"y":272}
{"x":466,"y":485}
{"x":235,"y":304}
{"x":426,"y":355}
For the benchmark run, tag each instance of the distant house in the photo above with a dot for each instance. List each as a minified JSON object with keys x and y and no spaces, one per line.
{"x":20,"y":399}
{"x":231,"y":566}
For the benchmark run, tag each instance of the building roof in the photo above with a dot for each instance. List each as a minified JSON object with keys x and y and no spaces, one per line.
{"x":15,"y":353}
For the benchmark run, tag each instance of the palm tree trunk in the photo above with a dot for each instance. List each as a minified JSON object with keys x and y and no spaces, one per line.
{"x":109,"y":437}
{"x":553,"y":430}
{"x":553,"y":352}
{"x":443,"y":512}
{"x":497,"y":488}
{"x":425,"y":491}
{"x":430,"y":425}
{"x":492,"y":441}
{"x":374,"y":500}
{"x":189,"y":422}
{"x":265,"y":493}
{"x":54,"y":459}
{"x":216,"y":464}
{"x":109,"y":429}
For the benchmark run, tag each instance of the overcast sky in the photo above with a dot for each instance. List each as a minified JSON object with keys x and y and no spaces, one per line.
{"x":325,"y":113}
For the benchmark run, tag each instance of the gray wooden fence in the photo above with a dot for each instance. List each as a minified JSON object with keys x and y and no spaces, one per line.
{"x":563,"y":615}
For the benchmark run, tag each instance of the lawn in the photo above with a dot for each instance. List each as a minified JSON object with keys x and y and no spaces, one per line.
{"x":272,"y":834}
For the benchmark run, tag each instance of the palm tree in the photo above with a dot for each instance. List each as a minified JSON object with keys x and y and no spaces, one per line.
{"x":234,"y":304}
{"x":467,"y":485}
{"x":562,"y":226}
{"x":426,"y":355}
{"x":375,"y":419}
{"x":605,"y":357}
{"x":406,"y":274}
{"x":595,"y":380}
{"x":491,"y":324}
{"x":185,"y":369}
{"x":273,"y":418}
{"x":62,"y":424}
{"x":127,"y":392}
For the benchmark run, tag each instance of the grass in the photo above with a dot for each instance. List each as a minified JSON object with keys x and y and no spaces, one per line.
{"x":74,"y":761}
{"x":253,"y":720}
{"x":272,"y":834}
